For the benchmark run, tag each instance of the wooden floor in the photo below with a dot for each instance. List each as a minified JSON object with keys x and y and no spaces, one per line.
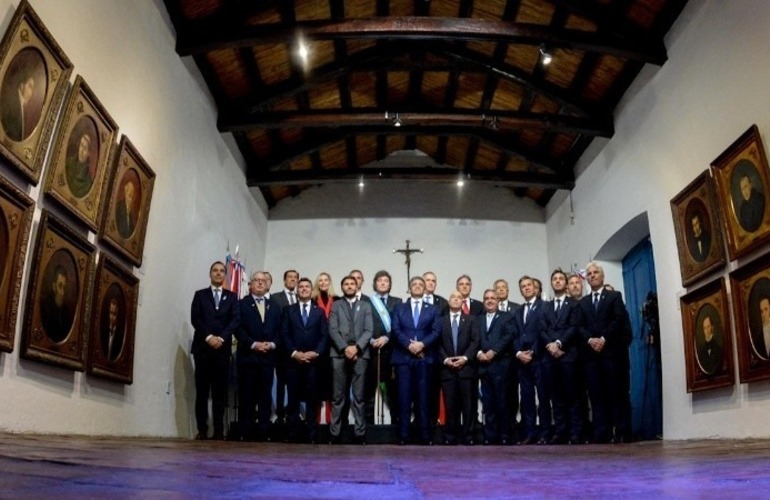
{"x":56,"y":466}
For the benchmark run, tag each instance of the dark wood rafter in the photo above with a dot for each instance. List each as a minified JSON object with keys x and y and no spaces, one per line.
{"x":214,"y":36}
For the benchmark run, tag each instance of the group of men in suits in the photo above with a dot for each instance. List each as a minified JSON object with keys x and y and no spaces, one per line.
{"x":539,"y":358}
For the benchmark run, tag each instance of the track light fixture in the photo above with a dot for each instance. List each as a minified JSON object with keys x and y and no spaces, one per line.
{"x":397,"y":121}
{"x":545,"y":55}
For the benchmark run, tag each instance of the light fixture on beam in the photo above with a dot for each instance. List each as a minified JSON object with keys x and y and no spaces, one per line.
{"x":495,"y":123}
{"x":396,"y":121}
{"x":545,"y":55}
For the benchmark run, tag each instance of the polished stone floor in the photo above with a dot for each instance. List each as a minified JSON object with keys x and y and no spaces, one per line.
{"x":77,"y":467}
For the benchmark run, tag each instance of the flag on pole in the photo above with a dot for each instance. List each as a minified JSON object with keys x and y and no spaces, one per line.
{"x":235,"y":272}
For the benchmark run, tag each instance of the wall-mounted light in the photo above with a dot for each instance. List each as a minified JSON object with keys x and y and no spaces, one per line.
{"x":546,"y":56}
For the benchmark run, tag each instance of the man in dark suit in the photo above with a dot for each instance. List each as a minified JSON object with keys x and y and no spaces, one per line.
{"x":350,"y":330}
{"x":282,"y":299}
{"x":752,"y":209}
{"x":214,"y":316}
{"x":304,"y":339}
{"x":430,"y":293}
{"x":494,"y":358}
{"x":700,"y":239}
{"x":709,"y":346}
{"x":533,"y":368}
{"x":258,"y":338}
{"x":416,"y":331}
{"x":379,"y":369}
{"x":559,"y":336}
{"x":605,"y":346}
{"x":359,"y":277}
{"x":506,"y":305}
{"x":125,"y":216}
{"x":457,"y":351}
{"x":56,"y":309}
{"x":15,"y":114}
{"x":113,"y":332}
{"x":471,"y":306}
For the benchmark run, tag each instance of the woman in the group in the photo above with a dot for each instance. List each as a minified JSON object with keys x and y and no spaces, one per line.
{"x":323,"y":295}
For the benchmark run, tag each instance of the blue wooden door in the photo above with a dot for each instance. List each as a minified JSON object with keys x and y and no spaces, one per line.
{"x":646,"y":391}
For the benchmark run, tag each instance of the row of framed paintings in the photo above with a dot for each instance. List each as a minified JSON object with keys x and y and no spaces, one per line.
{"x":726,"y":204}
{"x":76,"y":316}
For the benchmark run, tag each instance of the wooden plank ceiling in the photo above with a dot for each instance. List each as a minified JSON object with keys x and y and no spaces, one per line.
{"x":463,"y":81}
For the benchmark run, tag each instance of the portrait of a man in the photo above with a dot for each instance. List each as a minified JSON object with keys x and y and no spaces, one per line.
{"x":22,"y":94}
{"x":698,"y":228}
{"x":82,"y":153}
{"x":748,"y":198}
{"x":112,"y":323}
{"x":760,"y":339}
{"x":5,"y":243}
{"x":58,"y":296}
{"x":709,"y":341}
{"x":126,"y":210}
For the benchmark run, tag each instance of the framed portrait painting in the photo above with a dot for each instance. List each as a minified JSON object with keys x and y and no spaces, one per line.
{"x":57,"y":311}
{"x":698,"y":229}
{"x":127,"y":207}
{"x":743,"y":185}
{"x":34,"y":73}
{"x":16,"y":210}
{"x":751,"y":303}
{"x":708,"y":338}
{"x":77,"y":176}
{"x":113,"y":322}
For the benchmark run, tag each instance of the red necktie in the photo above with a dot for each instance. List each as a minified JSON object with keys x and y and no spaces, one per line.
{"x":466,"y":309}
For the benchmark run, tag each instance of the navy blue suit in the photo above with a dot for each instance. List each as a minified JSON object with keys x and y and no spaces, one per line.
{"x":413,"y":373}
{"x":533,"y":376}
{"x":302,"y":379}
{"x":566,"y":373}
{"x":494,"y":374}
{"x":212,"y":366}
{"x":255,"y":370}
{"x":606,"y":371}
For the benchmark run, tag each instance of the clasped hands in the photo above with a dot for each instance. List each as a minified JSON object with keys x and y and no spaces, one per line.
{"x":456,"y":362}
{"x":596,"y":343}
{"x":305,"y":357}
{"x":417,"y":348}
{"x":553,"y":350}
{"x":215,"y":342}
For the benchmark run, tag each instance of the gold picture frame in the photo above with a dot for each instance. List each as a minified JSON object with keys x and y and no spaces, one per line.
{"x":698,"y":229}
{"x":113,"y":322}
{"x":57,"y":307}
{"x":16,"y":209}
{"x":34,"y":72}
{"x":743,"y":186}
{"x":78,"y":174}
{"x":127,"y":208}
{"x":708,"y":338}
{"x":750,"y":287}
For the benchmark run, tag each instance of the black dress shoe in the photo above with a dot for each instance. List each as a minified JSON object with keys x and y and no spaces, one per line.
{"x":335,"y":440}
{"x":557,"y":440}
{"x":359,"y":440}
{"x":200,"y":437}
{"x":527,"y":441}
{"x":576,"y":440}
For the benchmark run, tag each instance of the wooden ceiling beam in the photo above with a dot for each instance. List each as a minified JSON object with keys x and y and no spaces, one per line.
{"x":217,"y":35}
{"x":434,"y":174}
{"x":368,"y":120}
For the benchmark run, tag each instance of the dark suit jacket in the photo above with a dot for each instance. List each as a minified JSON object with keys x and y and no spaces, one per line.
{"x":467,"y":345}
{"x":298,"y":337}
{"x":378,"y":327}
{"x":117,"y":342}
{"x":252,"y":329}
{"x":608,"y":321}
{"x":207,"y":320}
{"x":441,"y":303}
{"x":428,"y":331}
{"x":124,"y":219}
{"x":562,"y":327}
{"x":511,"y":307}
{"x":526,"y":336}
{"x":476,"y":307}
{"x":699,"y":255}
{"x":498,"y":338}
{"x":281,"y":300}
{"x":348,"y":327}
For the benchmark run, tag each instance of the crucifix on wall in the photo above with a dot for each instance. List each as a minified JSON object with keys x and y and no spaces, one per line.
{"x":408,"y":254}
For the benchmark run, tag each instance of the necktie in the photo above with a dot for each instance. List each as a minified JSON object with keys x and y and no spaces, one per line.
{"x":455,"y":330}
{"x":558,"y":305}
{"x":261,"y":308}
{"x":429,"y":299}
{"x":304,"y":314}
{"x":217,"y":296}
{"x":526,"y":311}
{"x":416,"y":313}
{"x":596,"y":300}
{"x":292,"y":298}
{"x":466,"y":307}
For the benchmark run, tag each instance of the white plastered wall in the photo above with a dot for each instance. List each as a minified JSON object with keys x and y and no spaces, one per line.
{"x":672,"y":123}
{"x":125,"y":52}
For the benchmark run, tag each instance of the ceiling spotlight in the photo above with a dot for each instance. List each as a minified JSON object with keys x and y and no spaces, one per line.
{"x":460,"y":182}
{"x":397,"y":121}
{"x":361,"y":181}
{"x":495,"y":123}
{"x":545,"y":55}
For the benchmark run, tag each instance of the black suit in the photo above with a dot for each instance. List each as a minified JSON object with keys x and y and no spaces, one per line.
{"x":255,"y":370}
{"x":476,"y":307}
{"x":494,"y":374}
{"x":606,"y":371}
{"x":700,"y":253}
{"x":460,"y":385}
{"x":212,"y":366}
{"x":303,"y":378}
{"x":535,"y":375}
{"x":281,"y":300}
{"x":441,"y":303}
{"x":566,"y":374}
{"x":381,"y":358}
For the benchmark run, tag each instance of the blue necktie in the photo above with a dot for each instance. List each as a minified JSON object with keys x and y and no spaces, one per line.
{"x":526,"y":311}
{"x":596,"y":300}
{"x":217,"y":294}
{"x":304,"y":314}
{"x":416,"y":313}
{"x":455,"y":329}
